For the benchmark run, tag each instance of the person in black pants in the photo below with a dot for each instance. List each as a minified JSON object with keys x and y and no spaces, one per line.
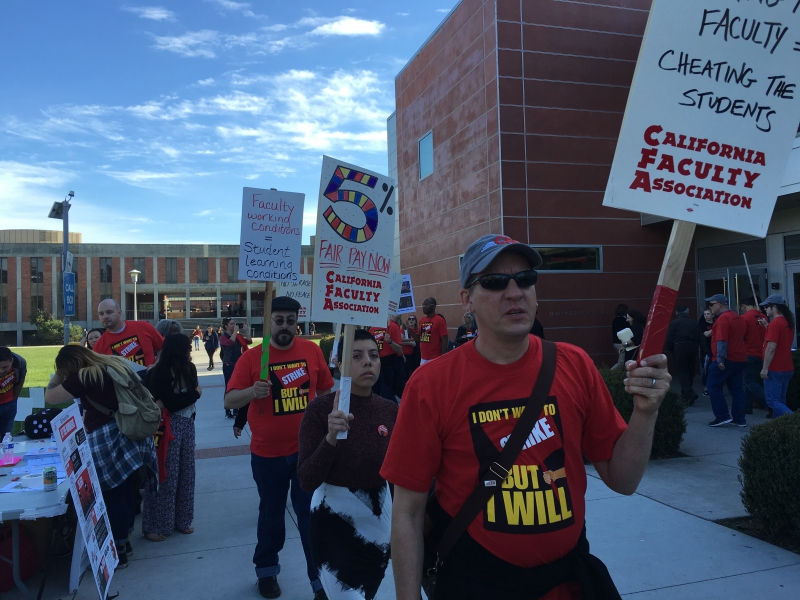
{"x":231,"y":342}
{"x":683,"y":339}
{"x":211,"y":343}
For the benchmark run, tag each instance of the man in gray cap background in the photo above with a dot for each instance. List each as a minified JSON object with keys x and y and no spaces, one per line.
{"x":458,"y":413}
{"x":728,"y":362}
{"x":297,"y":373}
{"x":778,"y":367}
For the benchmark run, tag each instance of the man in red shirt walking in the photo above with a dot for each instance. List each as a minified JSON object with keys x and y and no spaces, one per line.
{"x":433,"y":336}
{"x":137,"y":341}
{"x":754,"y":347}
{"x":390,"y":351}
{"x":728,"y":361}
{"x":297,"y":374}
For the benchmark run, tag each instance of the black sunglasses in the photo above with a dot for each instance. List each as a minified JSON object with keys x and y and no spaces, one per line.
{"x":499,"y":281}
{"x":279,"y":321}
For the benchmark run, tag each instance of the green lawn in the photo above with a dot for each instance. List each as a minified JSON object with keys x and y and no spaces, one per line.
{"x":41,"y":363}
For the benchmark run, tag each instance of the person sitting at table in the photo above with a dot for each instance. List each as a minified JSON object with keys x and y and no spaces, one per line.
{"x":122,"y":464}
{"x":351,"y":509}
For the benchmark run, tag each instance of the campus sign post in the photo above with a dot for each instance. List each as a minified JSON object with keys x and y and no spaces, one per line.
{"x":709,"y":126}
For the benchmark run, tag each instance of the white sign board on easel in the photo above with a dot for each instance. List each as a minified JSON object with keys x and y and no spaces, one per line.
{"x":86,"y":495}
{"x":300,"y":290}
{"x":712,"y":113}
{"x":271,"y":235}
{"x":354,"y":245}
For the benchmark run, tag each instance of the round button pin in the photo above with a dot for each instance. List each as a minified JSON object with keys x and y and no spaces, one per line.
{"x":383,"y":430}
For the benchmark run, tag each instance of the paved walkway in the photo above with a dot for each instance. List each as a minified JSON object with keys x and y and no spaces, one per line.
{"x":658,"y":544}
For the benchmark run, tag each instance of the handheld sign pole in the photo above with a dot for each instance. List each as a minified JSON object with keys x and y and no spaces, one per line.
{"x":266,"y":328}
{"x":345,"y":381}
{"x":669,"y":281}
{"x":750,"y":276}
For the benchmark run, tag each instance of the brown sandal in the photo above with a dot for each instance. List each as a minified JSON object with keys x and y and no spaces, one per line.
{"x":186,"y":531}
{"x":154,"y":537}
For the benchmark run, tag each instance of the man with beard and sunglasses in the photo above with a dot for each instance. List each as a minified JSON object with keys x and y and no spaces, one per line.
{"x":297,"y":374}
{"x":458,"y":412}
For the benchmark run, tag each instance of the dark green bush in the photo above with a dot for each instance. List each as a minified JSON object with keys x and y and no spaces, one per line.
{"x":770,"y":477}
{"x":793,"y":393}
{"x":670,"y":424}
{"x":326,"y":345}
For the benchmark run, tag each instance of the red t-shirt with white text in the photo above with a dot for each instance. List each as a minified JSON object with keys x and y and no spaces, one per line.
{"x":729,"y":327}
{"x":753,"y":333}
{"x":298,"y":375}
{"x":138,"y":342}
{"x":431,"y":330}
{"x":394,"y":333}
{"x":456,"y":415}
{"x":780,"y":333}
{"x":7,"y":383}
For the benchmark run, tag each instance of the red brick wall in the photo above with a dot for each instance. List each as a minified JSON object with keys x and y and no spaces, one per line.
{"x":223,"y":270}
{"x":450,"y":88}
{"x":192,"y":270}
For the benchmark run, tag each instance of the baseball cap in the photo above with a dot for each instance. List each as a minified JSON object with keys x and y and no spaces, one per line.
{"x":721,"y":298}
{"x":285,"y":303}
{"x":483,"y":251}
{"x":774,"y":299}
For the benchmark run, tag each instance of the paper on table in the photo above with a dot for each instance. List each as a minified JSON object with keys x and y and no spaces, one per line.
{"x":42,"y":452}
{"x":344,"y":401}
{"x":45,"y":462}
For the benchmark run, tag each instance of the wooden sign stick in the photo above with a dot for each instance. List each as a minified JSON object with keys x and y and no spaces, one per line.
{"x":667,"y":289}
{"x":344,"y":383}
{"x":266,"y":332}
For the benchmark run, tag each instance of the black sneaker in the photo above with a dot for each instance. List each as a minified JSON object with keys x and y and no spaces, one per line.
{"x":123,"y":558}
{"x":268,"y":587}
{"x":742,"y":424}
{"x":320,"y":595}
{"x":705,"y":393}
{"x":128,"y":549}
{"x":718,"y":422}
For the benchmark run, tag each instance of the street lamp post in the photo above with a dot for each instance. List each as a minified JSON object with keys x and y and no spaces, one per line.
{"x":135,"y":278}
{"x":60,"y":210}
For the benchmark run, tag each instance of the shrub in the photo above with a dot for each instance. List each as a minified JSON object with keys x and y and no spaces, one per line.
{"x":670,"y":424}
{"x":770,"y":475}
{"x":50,"y":331}
{"x":326,"y":345}
{"x":793,"y":393}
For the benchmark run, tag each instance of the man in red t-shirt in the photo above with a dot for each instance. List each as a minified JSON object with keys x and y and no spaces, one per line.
{"x":433,"y":338}
{"x":391,"y":352}
{"x":778,"y":365}
{"x":137,"y":341}
{"x":728,"y":362}
{"x":754,"y":331}
{"x":456,"y":416}
{"x":297,"y":374}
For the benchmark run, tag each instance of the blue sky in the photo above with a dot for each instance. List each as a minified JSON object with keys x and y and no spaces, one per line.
{"x":157,"y":115}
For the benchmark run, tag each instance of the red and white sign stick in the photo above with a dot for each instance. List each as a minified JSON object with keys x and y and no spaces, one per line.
{"x":669,"y":281}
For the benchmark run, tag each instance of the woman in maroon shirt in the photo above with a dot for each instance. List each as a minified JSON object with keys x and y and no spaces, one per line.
{"x":351,"y":507}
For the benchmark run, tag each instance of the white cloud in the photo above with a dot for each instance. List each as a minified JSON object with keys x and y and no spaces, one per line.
{"x":204,"y":213}
{"x":276,"y":27}
{"x":443,"y":10}
{"x":403,"y":14}
{"x":209,"y":81}
{"x":349,"y":26}
{"x":192,"y":43}
{"x":154,"y":13}
{"x":242,"y":7}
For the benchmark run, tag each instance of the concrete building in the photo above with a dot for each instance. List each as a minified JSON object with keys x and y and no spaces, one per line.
{"x":191,"y":282}
{"x":506,"y":122}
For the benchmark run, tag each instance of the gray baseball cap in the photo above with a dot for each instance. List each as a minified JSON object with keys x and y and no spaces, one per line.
{"x":721,"y":298}
{"x":774,"y":299}
{"x":484,"y":250}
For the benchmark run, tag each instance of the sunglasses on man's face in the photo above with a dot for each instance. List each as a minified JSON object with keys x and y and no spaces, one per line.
{"x":500,"y":281}
{"x":279,"y":321}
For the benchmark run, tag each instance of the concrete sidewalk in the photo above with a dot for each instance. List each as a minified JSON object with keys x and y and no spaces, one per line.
{"x":659,"y":543}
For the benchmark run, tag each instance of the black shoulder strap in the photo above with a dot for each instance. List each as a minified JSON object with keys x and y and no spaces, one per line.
{"x":499,"y":469}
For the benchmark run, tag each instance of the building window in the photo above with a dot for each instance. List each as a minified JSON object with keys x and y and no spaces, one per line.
{"x":791,"y":248}
{"x":172,"y":270}
{"x":105,"y":270}
{"x":37,"y":270}
{"x":105,"y":296}
{"x":3,"y":308}
{"x":426,"y":155}
{"x":570,"y":258}
{"x":138,"y":264}
{"x":202,"y":270}
{"x":3,"y":290}
{"x":233,"y":270}
{"x":37,"y":304}
{"x":3,"y":270}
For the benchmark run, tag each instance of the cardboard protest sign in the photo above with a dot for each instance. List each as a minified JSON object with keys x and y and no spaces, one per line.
{"x":712,"y":113}
{"x":395,"y":287}
{"x":86,"y":495}
{"x":406,"y":304}
{"x":271,"y":235}
{"x":354,"y":245}
{"x":300,"y":290}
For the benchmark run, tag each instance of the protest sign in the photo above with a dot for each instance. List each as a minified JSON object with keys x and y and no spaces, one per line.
{"x":354,"y":245}
{"x":406,"y":297}
{"x":86,"y":496}
{"x":712,"y":113}
{"x":395,"y":287}
{"x":300,"y":290}
{"x":271,"y":235}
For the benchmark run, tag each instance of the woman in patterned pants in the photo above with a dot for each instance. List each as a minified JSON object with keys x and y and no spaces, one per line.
{"x":173,"y":383}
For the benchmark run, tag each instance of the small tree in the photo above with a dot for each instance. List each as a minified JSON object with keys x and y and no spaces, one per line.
{"x":50,"y":331}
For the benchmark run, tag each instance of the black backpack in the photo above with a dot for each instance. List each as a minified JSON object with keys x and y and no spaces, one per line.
{"x":37,"y":425}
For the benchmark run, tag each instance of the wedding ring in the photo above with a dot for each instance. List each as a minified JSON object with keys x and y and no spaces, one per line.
{"x":652,"y":385}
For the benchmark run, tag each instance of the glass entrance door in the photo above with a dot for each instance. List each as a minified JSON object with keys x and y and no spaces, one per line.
{"x":710,"y":283}
{"x":793,"y":293}
{"x":740,"y":287}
